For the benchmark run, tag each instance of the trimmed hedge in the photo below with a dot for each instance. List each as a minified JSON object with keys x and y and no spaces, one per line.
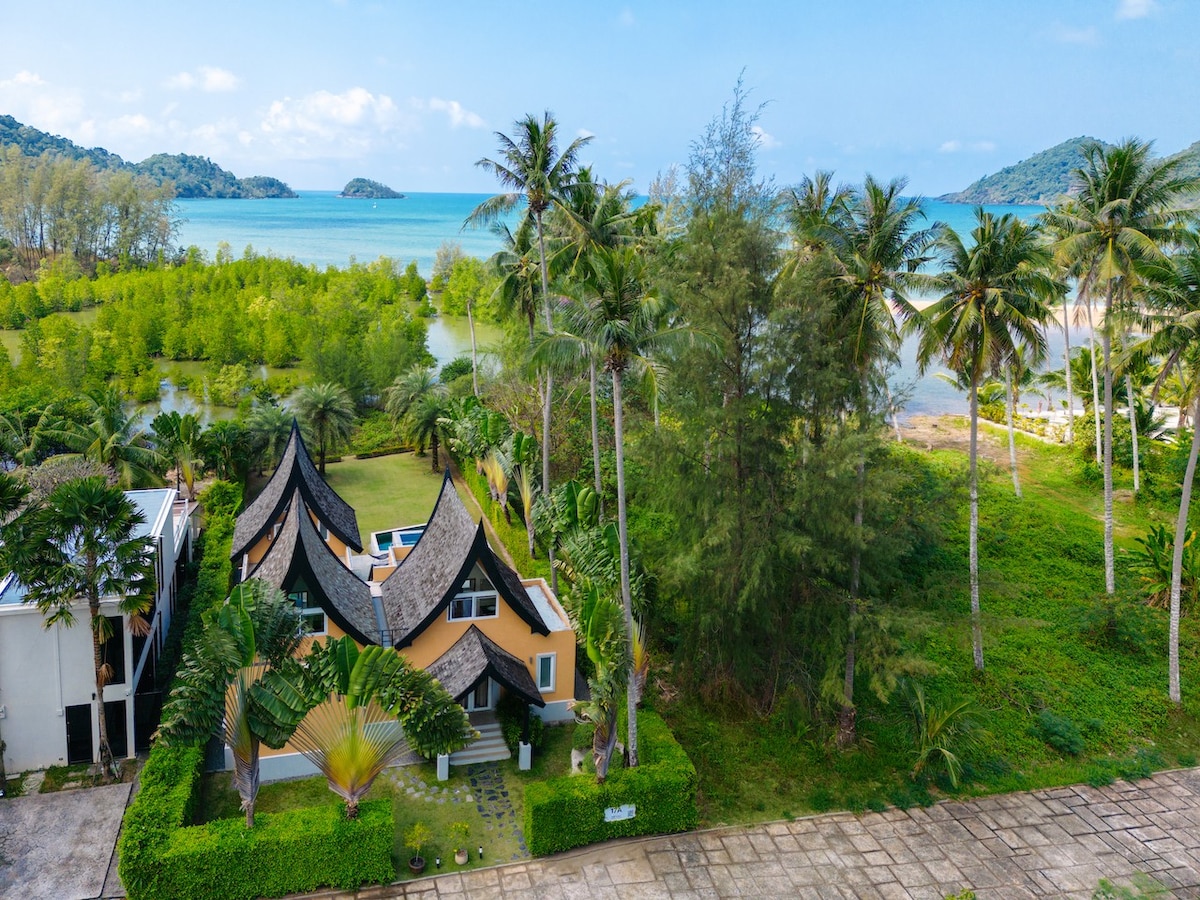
{"x":285,"y":853}
{"x":568,"y":812}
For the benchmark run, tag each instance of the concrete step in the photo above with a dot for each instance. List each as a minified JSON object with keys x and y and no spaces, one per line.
{"x":489,"y":748}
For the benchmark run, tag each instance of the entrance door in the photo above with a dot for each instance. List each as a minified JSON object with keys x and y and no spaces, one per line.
{"x":79,"y":734}
{"x":481,"y":696}
{"x":118,"y":732}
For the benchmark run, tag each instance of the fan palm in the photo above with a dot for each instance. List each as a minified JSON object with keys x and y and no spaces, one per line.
{"x":326,"y":414}
{"x":1127,"y":210}
{"x":993,"y":301}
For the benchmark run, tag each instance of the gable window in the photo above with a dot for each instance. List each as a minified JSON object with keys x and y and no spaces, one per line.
{"x":546,"y":663}
{"x":312,"y":617}
{"x":475,"y":605}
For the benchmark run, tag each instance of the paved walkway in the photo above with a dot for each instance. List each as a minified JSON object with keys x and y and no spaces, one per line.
{"x":59,"y":845}
{"x":1054,"y":843}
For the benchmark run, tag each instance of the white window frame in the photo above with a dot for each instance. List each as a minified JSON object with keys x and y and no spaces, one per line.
{"x":553,"y":657}
{"x":474,"y":597}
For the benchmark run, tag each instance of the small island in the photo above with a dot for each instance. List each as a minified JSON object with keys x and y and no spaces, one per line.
{"x":366,"y":189}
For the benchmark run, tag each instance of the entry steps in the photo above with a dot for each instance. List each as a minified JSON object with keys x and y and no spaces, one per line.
{"x":489,"y":748}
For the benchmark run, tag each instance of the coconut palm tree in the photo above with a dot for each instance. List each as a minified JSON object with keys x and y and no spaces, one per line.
{"x":533,"y":171}
{"x":270,"y":425}
{"x":1174,"y":327}
{"x":993,"y":300}
{"x":1127,"y":211}
{"x":326,"y":414}
{"x":178,"y":439}
{"x":83,"y":545}
{"x":617,"y":317}
{"x":877,"y":249}
{"x":254,"y":632}
{"x":112,"y":438}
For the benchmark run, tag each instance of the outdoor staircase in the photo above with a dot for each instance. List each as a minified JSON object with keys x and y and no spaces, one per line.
{"x":489,"y":748}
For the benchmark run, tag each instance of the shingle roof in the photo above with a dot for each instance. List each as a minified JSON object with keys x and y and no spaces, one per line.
{"x":295,"y":472}
{"x":475,"y":655}
{"x":298,"y":552}
{"x":426,"y":580}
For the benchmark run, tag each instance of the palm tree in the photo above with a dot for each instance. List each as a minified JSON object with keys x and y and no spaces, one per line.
{"x":993,"y":301}
{"x":418,"y":403}
{"x":877,"y":250}
{"x":114,"y":439}
{"x":614,"y":315}
{"x":255,"y":631}
{"x":83,"y":545}
{"x":269,"y":425}
{"x":178,"y":439}
{"x":516,"y":265}
{"x":533,"y":170}
{"x":362,"y":709}
{"x":1174,"y":328}
{"x":1127,"y":210}
{"x":326,"y":414}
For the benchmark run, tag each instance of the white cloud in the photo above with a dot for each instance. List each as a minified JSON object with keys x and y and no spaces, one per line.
{"x":584,"y":133}
{"x":766,"y":141}
{"x":324,"y":124}
{"x":956,"y":146}
{"x":1065,"y":34}
{"x":458,"y":115}
{"x":210,"y":79}
{"x":625,"y":18}
{"x":22,"y":79}
{"x":1135,"y":9}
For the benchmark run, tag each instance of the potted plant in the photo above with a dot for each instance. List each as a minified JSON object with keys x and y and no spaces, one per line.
{"x":459,"y":832}
{"x":415,"y":839}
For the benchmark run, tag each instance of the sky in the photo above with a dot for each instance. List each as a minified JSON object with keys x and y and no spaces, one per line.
{"x":317,"y":92}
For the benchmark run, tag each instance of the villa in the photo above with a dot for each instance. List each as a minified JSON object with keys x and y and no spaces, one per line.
{"x":48,"y":705}
{"x":436,"y":592}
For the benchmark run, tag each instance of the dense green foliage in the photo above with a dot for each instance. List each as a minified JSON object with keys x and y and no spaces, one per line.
{"x":197,"y":176}
{"x":1042,"y":178}
{"x":366,"y":189}
{"x":567,"y":812}
{"x":34,"y":142}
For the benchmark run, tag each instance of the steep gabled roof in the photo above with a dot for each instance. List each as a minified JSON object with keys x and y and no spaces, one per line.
{"x":428,"y":578}
{"x":298,"y":552}
{"x":475,"y":655}
{"x":295,"y":472}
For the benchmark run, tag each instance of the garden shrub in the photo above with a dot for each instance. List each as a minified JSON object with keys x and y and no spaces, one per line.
{"x":510,"y":712}
{"x":567,"y":812}
{"x":1059,"y":732}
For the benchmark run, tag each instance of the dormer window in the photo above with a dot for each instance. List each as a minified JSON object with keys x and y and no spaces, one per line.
{"x":475,"y":605}
{"x":312,"y":617}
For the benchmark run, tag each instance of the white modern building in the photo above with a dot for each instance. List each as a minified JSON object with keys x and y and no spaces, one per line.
{"x":48,"y":704}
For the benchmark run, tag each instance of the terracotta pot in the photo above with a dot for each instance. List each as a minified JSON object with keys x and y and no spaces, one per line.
{"x":417,"y":865}
{"x":461,"y":857}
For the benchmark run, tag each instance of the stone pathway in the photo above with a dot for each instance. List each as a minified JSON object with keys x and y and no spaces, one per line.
{"x":1053,"y":843}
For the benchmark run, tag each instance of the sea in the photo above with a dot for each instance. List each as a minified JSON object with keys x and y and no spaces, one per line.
{"x":319,"y":228}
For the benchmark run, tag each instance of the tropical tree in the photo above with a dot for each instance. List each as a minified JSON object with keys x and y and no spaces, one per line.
{"x":362,"y":709}
{"x":326,"y":414}
{"x":993,"y":301}
{"x":418,"y":403}
{"x":112,"y":438}
{"x":178,"y":439}
{"x":615,"y":315}
{"x":1126,"y":212}
{"x":522,"y":450}
{"x":253,"y":632}
{"x":599,"y":626}
{"x":83,"y":546}
{"x":270,"y":425}
{"x":533,"y":171}
{"x":1174,"y":329}
{"x":877,"y":249}
{"x":226,"y":448}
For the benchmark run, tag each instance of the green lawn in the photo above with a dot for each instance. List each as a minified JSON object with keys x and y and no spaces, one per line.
{"x":387,"y":491}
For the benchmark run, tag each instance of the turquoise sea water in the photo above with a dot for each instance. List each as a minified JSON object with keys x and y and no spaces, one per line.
{"x":320,"y":229}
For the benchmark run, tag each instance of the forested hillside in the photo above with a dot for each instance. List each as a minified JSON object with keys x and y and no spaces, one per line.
{"x":192,"y":176}
{"x":366,"y":189}
{"x":1042,"y":178}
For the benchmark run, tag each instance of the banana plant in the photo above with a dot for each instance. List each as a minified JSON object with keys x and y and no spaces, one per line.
{"x":600,"y":630}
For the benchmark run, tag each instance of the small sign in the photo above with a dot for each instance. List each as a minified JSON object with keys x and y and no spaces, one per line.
{"x":620,"y":813}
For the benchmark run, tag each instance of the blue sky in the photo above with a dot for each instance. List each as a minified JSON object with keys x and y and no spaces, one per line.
{"x":319,"y":91}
